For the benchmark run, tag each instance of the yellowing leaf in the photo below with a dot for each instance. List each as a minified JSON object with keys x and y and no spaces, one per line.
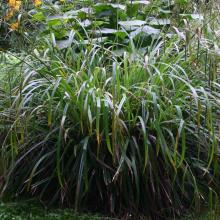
{"x":15,"y":4}
{"x":12,"y":3}
{"x":37,"y":2}
{"x":9,"y":15}
{"x":14,"y":26}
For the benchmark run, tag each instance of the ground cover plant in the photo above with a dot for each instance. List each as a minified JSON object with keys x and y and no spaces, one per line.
{"x":112,"y":107}
{"x":25,"y":211}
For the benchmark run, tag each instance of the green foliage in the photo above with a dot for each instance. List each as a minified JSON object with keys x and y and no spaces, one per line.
{"x":110,"y":112}
{"x":31,"y":210}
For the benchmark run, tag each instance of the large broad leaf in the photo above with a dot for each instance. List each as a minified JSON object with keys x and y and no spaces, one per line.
{"x":159,"y":22}
{"x":71,"y":14}
{"x":197,"y":16}
{"x":109,"y":31}
{"x":165,"y":11}
{"x":132,"y":10}
{"x":55,"y":20}
{"x":81,"y":13}
{"x":61,"y":44}
{"x":95,"y":40}
{"x":86,"y":23}
{"x":139,"y":52}
{"x":59,"y":32}
{"x":107,"y":9}
{"x":193,"y":16}
{"x":141,"y":2}
{"x":101,"y":6}
{"x":146,"y":30}
{"x":39,"y":16}
{"x":55,"y":17}
{"x":132,"y":25}
{"x":181,"y":2}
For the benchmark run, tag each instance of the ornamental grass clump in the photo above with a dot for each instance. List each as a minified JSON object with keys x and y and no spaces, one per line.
{"x":112,"y":134}
{"x":113,"y":110}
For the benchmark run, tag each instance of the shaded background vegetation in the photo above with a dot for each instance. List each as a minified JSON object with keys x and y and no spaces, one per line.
{"x":112,"y":107}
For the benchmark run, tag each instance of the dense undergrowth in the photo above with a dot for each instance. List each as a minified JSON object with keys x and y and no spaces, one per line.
{"x":113,"y":108}
{"x":31,"y":210}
